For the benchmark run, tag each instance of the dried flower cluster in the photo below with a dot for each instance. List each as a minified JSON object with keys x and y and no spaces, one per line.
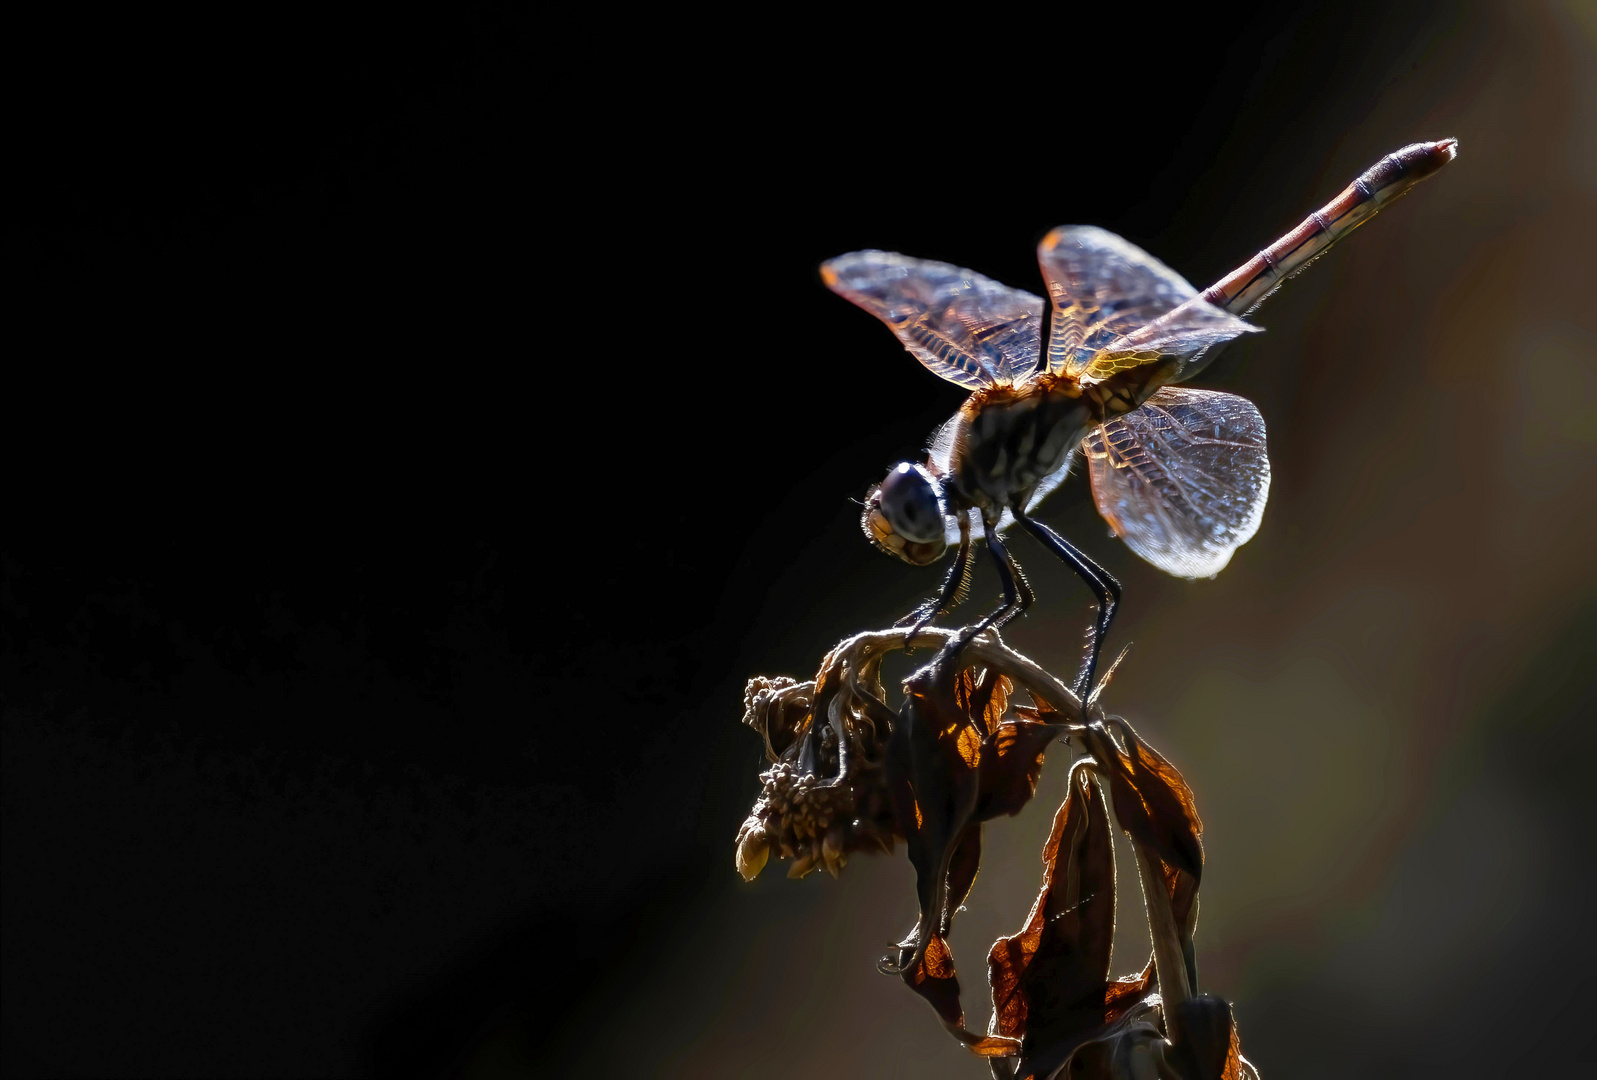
{"x":849,"y":773}
{"x":817,"y":805}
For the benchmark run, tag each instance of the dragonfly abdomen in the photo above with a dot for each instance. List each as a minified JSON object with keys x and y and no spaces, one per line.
{"x":1387,"y":180}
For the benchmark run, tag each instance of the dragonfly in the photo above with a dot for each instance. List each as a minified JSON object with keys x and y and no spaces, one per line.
{"x":1181,"y":475}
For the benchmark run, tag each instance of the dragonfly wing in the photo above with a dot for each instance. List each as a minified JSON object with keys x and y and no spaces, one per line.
{"x":1183,"y":479}
{"x":1186,"y":333}
{"x":967,"y":328}
{"x":1101,"y":288}
{"x":940,"y":454}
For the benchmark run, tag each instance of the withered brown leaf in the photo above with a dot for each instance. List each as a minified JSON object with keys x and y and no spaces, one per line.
{"x":932,"y":976}
{"x":951,"y":764}
{"x":1154,"y":804}
{"x":1050,"y":981}
{"x":1151,"y":798}
{"x":984,"y":699}
{"x":1011,"y":762}
{"x":933,"y":786}
{"x":1207,"y":1047}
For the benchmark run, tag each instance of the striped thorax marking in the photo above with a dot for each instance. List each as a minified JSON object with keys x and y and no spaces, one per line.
{"x":1016,"y":435}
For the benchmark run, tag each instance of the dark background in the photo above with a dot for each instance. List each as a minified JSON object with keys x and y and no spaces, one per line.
{"x":418,"y":425}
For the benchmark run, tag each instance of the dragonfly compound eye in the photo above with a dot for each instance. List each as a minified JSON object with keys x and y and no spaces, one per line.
{"x":912,"y":502}
{"x":888,"y":526}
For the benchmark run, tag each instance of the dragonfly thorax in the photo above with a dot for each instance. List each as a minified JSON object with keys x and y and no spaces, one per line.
{"x":1010,"y":441}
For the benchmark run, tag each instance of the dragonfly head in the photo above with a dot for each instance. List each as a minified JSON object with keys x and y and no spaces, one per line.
{"x":904,"y":515}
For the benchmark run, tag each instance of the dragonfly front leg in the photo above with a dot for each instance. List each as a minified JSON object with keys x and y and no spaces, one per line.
{"x":953,"y":591}
{"x":1103,"y":585}
{"x":1017,"y":593}
{"x":1017,"y":598}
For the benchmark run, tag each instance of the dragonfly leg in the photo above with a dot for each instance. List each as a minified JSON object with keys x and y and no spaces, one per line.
{"x":1017,"y":598}
{"x":1017,"y":593}
{"x":1103,"y":585}
{"x":953,"y":591}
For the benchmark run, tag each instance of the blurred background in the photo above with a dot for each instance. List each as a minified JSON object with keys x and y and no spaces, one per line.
{"x":419,"y":426}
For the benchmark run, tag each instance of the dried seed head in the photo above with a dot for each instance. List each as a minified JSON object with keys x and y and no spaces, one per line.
{"x":776,"y":708}
{"x":817,"y":821}
{"x":804,"y":862}
{"x":753,"y":848}
{"x":832,"y":850}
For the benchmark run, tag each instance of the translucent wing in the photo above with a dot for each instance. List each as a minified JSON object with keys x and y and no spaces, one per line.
{"x":1101,"y":288}
{"x":940,"y":454}
{"x":967,"y":328}
{"x":1185,"y":333}
{"x":1116,"y":307}
{"x":1182,"y":479}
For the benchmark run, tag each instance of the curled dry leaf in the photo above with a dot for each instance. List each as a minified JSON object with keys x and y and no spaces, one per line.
{"x":1011,"y":763}
{"x":1050,"y":981}
{"x":1131,"y":1047}
{"x":1152,"y":799}
{"x":1207,"y":1047}
{"x":1156,"y":807}
{"x":932,"y":977}
{"x":952,"y":763}
{"x":932,"y":761}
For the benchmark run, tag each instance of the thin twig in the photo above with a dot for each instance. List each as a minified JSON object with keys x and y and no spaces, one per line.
{"x":863,"y":651}
{"x":1167,"y":958}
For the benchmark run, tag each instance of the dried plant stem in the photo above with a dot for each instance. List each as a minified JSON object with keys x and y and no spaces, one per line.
{"x":863,"y":652}
{"x":1167,"y":953}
